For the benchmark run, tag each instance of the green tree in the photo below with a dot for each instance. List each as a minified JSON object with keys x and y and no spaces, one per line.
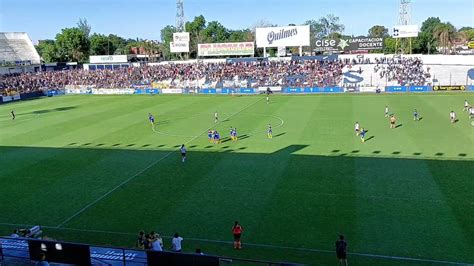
{"x":378,"y":31}
{"x":100,"y":45}
{"x":195,"y":29}
{"x":468,"y":33}
{"x":330,"y":25}
{"x":215,"y":32}
{"x":240,"y":36}
{"x":72,"y":45}
{"x":166,"y":39}
{"x":47,"y":50}
{"x":118,"y":44}
{"x":389,"y":45}
{"x":445,"y":34}
{"x":84,"y":26}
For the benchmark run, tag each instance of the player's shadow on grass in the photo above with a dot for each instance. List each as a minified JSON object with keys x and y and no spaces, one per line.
{"x":45,"y":111}
{"x":279,"y":135}
{"x":164,"y":122}
{"x":399,"y":125}
{"x":369,"y":138}
{"x":420,"y":118}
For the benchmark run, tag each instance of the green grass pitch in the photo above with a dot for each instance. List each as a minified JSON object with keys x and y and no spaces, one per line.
{"x":92,"y":169}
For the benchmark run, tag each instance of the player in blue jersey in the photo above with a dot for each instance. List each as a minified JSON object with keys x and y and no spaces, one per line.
{"x":217,"y":137}
{"x":234,"y":133}
{"x":210,"y":135}
{"x":151,"y":118}
{"x":362,"y":135}
{"x":270,"y":131}
{"x":416,"y":116}
{"x":231,"y":133}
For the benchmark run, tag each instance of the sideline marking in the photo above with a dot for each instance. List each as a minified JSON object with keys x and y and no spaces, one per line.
{"x":314,"y":250}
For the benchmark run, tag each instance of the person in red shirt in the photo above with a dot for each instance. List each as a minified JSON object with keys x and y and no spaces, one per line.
{"x":237,"y":232}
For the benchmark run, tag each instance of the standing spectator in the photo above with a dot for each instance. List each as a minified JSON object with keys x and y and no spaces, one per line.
{"x":141,"y":240}
{"x":176,"y":243}
{"x":15,"y":234}
{"x":42,"y":261}
{"x":237,"y":232}
{"x":341,"y":250}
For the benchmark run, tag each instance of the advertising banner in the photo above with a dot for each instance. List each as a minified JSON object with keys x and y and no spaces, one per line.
{"x":172,"y":91}
{"x":179,"y":47}
{"x":450,"y":88}
{"x":420,"y":88}
{"x":313,"y":90}
{"x":100,"y":59}
{"x":405,"y":31}
{"x":349,"y":44}
{"x":283,"y":36}
{"x":181,"y":37}
{"x":395,"y":89}
{"x":225,"y":49}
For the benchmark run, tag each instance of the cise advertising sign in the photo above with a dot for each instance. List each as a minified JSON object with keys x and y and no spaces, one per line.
{"x":225,"y":49}
{"x":283,"y":36}
{"x":349,"y":44}
{"x":405,"y":31}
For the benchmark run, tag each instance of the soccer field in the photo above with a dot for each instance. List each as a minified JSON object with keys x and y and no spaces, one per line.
{"x":92,"y":169}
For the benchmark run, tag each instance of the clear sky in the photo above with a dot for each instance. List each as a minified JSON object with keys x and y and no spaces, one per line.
{"x":42,"y":19}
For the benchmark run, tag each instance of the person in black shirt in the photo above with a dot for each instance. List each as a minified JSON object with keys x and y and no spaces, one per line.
{"x":341,"y":250}
{"x":13,"y":115}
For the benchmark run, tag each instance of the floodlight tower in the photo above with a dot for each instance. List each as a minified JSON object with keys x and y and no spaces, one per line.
{"x":180,"y":20}
{"x":404,"y":18}
{"x":404,"y":12}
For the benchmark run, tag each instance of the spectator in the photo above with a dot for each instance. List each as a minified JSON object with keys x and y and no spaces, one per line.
{"x":199,"y":252}
{"x":141,"y":240}
{"x":42,"y":261}
{"x":237,"y":232}
{"x":15,"y":234}
{"x":176,"y":243}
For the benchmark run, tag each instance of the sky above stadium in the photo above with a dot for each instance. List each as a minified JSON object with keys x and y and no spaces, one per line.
{"x":43,"y":19}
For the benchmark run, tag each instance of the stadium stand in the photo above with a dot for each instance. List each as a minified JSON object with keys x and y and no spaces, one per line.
{"x":16,"y":48}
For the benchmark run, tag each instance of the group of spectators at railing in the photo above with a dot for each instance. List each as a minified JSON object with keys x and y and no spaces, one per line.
{"x":294,"y":73}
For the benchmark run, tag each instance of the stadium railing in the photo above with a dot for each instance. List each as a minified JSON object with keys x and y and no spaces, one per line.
{"x":25,"y":250}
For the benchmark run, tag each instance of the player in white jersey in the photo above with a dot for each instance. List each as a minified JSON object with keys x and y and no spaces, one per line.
{"x":471,"y":112}
{"x":452,"y":117}
{"x":466,"y":106}
{"x":357,"y":128}
{"x":216,"y":117}
{"x":386,"y":111}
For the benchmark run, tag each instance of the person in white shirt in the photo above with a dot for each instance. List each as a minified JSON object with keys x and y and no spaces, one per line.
{"x":176,"y":243}
{"x":386,"y":111}
{"x":471,"y":112}
{"x":452,"y":117}
{"x":357,"y":128}
{"x":466,"y":106}
{"x":156,"y":245}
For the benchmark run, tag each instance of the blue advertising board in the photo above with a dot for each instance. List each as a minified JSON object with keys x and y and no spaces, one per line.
{"x":208,"y":91}
{"x":420,"y":88}
{"x":147,"y":91}
{"x":395,"y":89}
{"x":247,"y":90}
{"x":314,"y":90}
{"x":471,"y":88}
{"x":52,"y":93}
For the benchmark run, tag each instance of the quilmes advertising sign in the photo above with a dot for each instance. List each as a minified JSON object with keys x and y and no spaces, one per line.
{"x":223,"y":49}
{"x":349,"y":44}
{"x":405,"y":31}
{"x":282,"y":36}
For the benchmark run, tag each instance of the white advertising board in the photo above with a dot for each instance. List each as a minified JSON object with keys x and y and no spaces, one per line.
{"x":405,"y":31}
{"x":283,"y":36}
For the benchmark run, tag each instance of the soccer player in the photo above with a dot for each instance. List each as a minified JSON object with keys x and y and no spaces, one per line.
{"x":216,"y":117}
{"x":341,"y":250}
{"x":393,"y":121}
{"x":217,"y":137}
{"x":471,"y":112}
{"x":237,"y":232}
{"x":357,"y":128}
{"x":231,"y":133}
{"x":386,"y":111}
{"x":183,"y":153}
{"x":415,"y":116}
{"x":210,"y":134}
{"x":151,"y":118}
{"x":13,"y":115}
{"x":362,"y":135}
{"x":234,"y":133}
{"x":466,"y":106}
{"x":452,"y":117}
{"x":270,"y":131}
